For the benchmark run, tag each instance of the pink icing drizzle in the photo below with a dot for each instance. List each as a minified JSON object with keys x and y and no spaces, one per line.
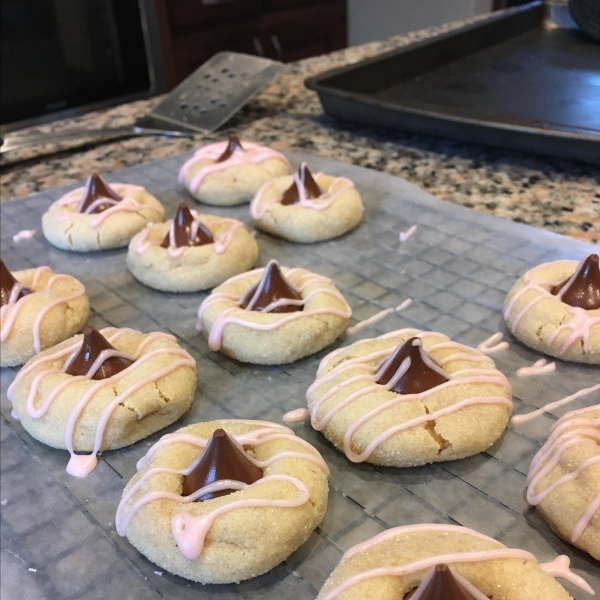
{"x":405,"y":235}
{"x":306,"y":278}
{"x":338,"y":186}
{"x":377,"y":317}
{"x":127,"y":204}
{"x":14,"y":306}
{"x":556,"y":568}
{"x":26,"y":234}
{"x":540,"y":367}
{"x":518,"y":419}
{"x":82,"y":465}
{"x":581,"y":320}
{"x":250,"y":154}
{"x":493,"y":344}
{"x":189,"y":531}
{"x":456,"y":378}
{"x":296,"y":416}
{"x":561,"y":439}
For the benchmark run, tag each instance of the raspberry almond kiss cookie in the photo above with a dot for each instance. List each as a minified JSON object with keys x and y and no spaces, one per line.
{"x":100,"y":216}
{"x":555,"y":308}
{"x":192,"y":252}
{"x":224,"y":501}
{"x":274,"y":315}
{"x":103,"y":390}
{"x":39,"y":309}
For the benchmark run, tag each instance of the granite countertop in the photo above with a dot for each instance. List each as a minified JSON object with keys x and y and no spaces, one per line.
{"x":552,"y":194}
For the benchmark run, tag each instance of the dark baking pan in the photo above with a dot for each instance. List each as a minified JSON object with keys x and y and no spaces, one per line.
{"x":515,"y":81}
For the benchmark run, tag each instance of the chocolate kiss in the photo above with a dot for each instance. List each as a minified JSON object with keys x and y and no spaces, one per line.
{"x":274,"y":287}
{"x":7,"y":282}
{"x":221,"y":459}
{"x":96,"y":188}
{"x":93,"y":343}
{"x":418,"y":378}
{"x":183,"y":230}
{"x":440,"y":584}
{"x":232,"y":146}
{"x":584,"y":292}
{"x":311,"y":189}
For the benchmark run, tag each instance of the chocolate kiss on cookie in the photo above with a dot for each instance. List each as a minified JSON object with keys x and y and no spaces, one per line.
{"x":582,"y":289}
{"x":422,"y":373}
{"x":310,"y":188}
{"x":7,"y":282}
{"x":95,"y":189}
{"x":272,"y":286}
{"x":222,"y":459}
{"x":440,"y":584}
{"x":92,"y":345}
{"x":185,"y":232}
{"x":233,"y":145}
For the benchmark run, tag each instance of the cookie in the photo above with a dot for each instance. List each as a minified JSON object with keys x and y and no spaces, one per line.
{"x":103,"y":390}
{"x":229,"y":173}
{"x":306,"y":209}
{"x":39,"y":309}
{"x":555,"y":309}
{"x":444,"y":561}
{"x":409,"y":398}
{"x":99,"y":216}
{"x":224,"y":501}
{"x":274,"y":315}
{"x":191,"y":253}
{"x":564,"y":479}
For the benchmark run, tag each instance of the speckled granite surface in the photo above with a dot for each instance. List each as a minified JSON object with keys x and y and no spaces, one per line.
{"x":556,"y":195}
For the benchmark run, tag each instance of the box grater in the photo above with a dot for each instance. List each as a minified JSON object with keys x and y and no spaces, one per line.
{"x":214,"y":92}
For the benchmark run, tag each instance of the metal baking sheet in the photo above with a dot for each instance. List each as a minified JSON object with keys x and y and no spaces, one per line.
{"x":58,"y":534}
{"x":515,"y":81}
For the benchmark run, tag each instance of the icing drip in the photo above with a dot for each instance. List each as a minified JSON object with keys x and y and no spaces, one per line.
{"x":97,"y":196}
{"x":258,"y":206}
{"x":234,"y":314}
{"x":373,"y":371}
{"x":189,"y":531}
{"x":493,"y":344}
{"x":404,"y":235}
{"x":566,"y":433}
{"x":126,"y":204}
{"x":581,"y":321}
{"x":540,"y":367}
{"x":82,"y":465}
{"x":249,"y":154}
{"x":303,"y":187}
{"x":296,"y":416}
{"x":9,"y":312}
{"x":518,"y":419}
{"x":582,"y":289}
{"x":377,"y":317}
{"x":26,"y":234}
{"x":557,"y":568}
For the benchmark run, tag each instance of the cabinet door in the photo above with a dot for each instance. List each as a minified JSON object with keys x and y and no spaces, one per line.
{"x":191,"y":49}
{"x":298,"y":33}
{"x":183,"y":13}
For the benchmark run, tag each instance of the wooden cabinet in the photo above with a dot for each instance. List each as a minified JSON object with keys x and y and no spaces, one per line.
{"x":287,"y":30}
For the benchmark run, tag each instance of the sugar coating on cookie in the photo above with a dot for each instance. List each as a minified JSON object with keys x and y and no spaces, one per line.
{"x":306,"y":209}
{"x":400,"y":561}
{"x":231,"y":537}
{"x":158,"y":260}
{"x":555,"y":308}
{"x":39,"y":309}
{"x":100,"y":216}
{"x":564,"y":479}
{"x":93,"y":409}
{"x":231,"y":172}
{"x":243,"y":317}
{"x":409,"y":398}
